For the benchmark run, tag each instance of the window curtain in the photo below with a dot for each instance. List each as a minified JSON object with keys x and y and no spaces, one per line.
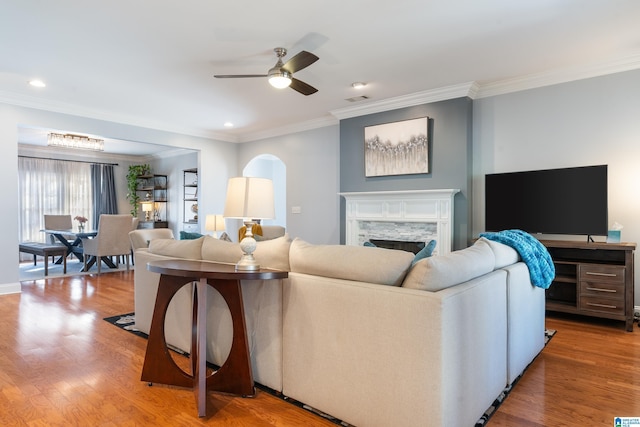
{"x":51,"y":187}
{"x":104,"y":190}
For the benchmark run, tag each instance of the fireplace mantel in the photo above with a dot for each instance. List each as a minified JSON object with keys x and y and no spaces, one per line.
{"x":410,"y":215}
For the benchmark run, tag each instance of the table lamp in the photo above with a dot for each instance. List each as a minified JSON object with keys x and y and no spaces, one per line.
{"x":249,"y":199}
{"x":147,"y":208}
{"x":214,"y":223}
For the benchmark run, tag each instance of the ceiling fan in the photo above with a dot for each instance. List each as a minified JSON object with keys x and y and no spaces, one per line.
{"x":281,"y":74}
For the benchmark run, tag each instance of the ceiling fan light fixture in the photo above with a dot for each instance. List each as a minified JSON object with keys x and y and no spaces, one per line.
{"x":279,"y":79}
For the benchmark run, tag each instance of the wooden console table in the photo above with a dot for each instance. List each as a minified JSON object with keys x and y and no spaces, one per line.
{"x":234,"y":376}
{"x":592,"y":279}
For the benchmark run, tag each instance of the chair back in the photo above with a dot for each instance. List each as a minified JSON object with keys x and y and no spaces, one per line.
{"x":270,"y":232}
{"x":141,"y":238}
{"x":113,"y":234}
{"x":58,"y":222}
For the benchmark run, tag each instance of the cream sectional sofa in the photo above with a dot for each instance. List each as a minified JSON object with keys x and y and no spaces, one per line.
{"x":361,"y":334}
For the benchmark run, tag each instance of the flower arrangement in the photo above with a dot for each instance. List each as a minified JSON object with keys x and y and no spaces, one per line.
{"x":81,"y":220}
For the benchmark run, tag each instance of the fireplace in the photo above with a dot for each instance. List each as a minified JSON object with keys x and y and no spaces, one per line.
{"x":401,"y":216}
{"x":414,"y":247}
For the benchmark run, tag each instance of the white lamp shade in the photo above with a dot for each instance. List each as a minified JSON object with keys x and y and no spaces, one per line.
{"x":214,"y":223}
{"x":249,"y":198}
{"x":147,"y":207}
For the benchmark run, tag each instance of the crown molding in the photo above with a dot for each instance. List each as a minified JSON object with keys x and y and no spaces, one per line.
{"x":565,"y":75}
{"x":289,"y":129}
{"x":418,"y":98}
{"x":92,"y":156}
{"x":27,"y":101}
{"x":473,"y":90}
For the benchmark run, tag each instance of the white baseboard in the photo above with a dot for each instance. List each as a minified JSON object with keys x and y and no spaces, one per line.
{"x":10,"y":288}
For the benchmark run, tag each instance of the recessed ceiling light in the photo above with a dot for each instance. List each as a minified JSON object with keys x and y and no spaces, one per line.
{"x":228,"y":125}
{"x":37,"y":83}
{"x":358,"y":85}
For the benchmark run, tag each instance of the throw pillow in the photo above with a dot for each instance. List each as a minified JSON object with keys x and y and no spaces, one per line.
{"x":269,"y":254}
{"x":369,"y":244}
{"x":425,"y":252}
{"x":372,"y":265}
{"x":443,"y":271}
{"x":189,"y":249}
{"x":225,"y":237}
{"x":187,"y":235}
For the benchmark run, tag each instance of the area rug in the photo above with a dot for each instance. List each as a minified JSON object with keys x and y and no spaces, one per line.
{"x":28,"y":271}
{"x":127,"y":322}
{"x":548,"y":334}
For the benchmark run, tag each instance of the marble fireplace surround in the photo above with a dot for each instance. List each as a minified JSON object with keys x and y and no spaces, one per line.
{"x":411,"y":216}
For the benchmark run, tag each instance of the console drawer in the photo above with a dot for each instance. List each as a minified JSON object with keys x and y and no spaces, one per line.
{"x":599,"y":273}
{"x":602,"y":305}
{"x":598,"y":289}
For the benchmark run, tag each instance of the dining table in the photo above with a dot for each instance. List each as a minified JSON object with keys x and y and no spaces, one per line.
{"x":73,"y":241}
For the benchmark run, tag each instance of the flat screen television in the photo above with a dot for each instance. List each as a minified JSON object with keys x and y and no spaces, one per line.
{"x":553,"y":201}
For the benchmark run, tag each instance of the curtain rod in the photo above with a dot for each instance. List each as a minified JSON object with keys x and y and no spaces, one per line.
{"x":65,"y":160}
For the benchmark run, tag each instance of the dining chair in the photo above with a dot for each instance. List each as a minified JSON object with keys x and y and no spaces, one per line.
{"x":112,"y":239}
{"x":57,"y":222}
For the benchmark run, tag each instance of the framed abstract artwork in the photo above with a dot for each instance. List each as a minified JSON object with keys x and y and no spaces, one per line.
{"x":399,"y":148}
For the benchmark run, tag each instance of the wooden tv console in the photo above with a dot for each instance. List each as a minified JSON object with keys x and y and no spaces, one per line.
{"x":592,"y":279}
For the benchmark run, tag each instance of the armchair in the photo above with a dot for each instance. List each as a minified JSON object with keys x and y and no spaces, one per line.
{"x":112,"y":239}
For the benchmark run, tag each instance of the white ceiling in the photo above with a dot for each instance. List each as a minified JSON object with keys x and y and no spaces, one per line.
{"x":151,"y":62}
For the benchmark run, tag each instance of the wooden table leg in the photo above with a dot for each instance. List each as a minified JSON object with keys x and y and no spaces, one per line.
{"x":158,"y":364}
{"x":46,"y":263}
{"x":234,"y":376}
{"x":199,"y":353}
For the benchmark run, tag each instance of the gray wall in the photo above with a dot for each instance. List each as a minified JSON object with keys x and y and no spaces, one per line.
{"x":173,"y":166}
{"x":312,"y":161}
{"x":450,"y":158}
{"x":586,"y":122}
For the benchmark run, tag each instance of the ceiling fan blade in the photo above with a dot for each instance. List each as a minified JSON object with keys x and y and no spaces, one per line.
{"x":302,"y":87}
{"x":300,"y":61}
{"x":237,"y":76}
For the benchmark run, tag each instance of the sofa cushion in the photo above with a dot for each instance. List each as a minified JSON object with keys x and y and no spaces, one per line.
{"x":505,"y":254}
{"x":358,"y":263}
{"x":189,"y":249}
{"x":269,"y":253}
{"x":443,"y":271}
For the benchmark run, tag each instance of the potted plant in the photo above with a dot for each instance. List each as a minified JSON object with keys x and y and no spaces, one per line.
{"x":135,"y":171}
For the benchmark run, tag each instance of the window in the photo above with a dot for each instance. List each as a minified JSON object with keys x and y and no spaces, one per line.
{"x":51,"y":187}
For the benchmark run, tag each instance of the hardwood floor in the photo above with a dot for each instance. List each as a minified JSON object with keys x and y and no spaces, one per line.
{"x":588,"y":374}
{"x":61,"y":364}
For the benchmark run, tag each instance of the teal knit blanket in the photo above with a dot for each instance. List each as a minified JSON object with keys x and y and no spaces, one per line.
{"x":533,"y":254}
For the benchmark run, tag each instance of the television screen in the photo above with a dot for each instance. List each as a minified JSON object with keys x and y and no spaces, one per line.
{"x":553,"y":201}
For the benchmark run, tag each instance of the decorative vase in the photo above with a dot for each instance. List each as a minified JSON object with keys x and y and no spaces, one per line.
{"x":81,"y":227}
